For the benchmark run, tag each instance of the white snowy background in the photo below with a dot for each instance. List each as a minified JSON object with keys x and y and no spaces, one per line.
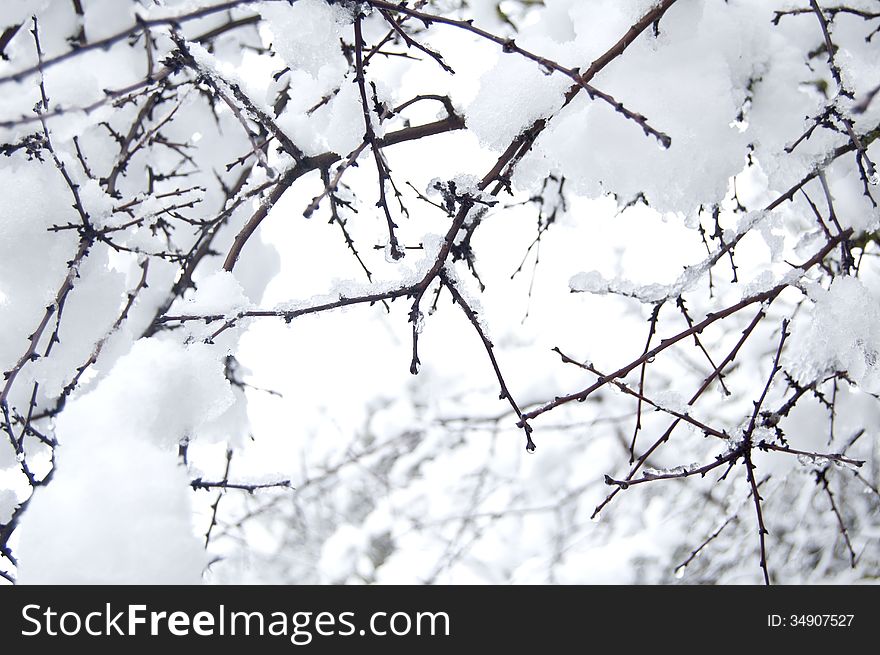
{"x":401,"y":478}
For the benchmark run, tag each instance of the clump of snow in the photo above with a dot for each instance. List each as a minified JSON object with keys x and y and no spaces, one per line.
{"x":229,"y":81}
{"x":18,"y":11}
{"x":513,"y":95}
{"x":846,"y":188}
{"x":330,"y":120}
{"x":89,"y":313}
{"x":840,"y":333}
{"x":345,"y":127}
{"x":671,"y":401}
{"x":763,"y":282}
{"x":306,"y":33}
{"x":218,"y":293}
{"x":29,"y":283}
{"x":97,"y":203}
{"x":8,"y":503}
{"x":104,"y":18}
{"x":160,"y":392}
{"x":594,"y":282}
{"x":119,"y":494}
{"x":766,"y":281}
{"x":122,"y":509}
{"x":589,"y":282}
{"x":773,"y":236}
{"x":688,"y":82}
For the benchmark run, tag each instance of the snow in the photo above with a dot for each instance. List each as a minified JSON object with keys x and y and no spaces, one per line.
{"x":841,"y":332}
{"x":341,"y":554}
{"x":16,"y":11}
{"x":306,"y":33}
{"x":161,"y":392}
{"x":8,"y":503}
{"x":117,"y":460}
{"x":672,"y":401}
{"x":103,"y":480}
{"x":88,"y":316}
{"x":28,"y":283}
{"x":218,"y":293}
{"x":344,"y":130}
{"x":593,"y":282}
{"x":513,"y":95}
{"x":107,"y":17}
{"x":424,"y":478}
{"x":96,"y":202}
{"x":7,"y":454}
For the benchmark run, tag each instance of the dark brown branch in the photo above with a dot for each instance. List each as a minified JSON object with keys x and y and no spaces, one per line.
{"x":822,"y":479}
{"x":34,"y":339}
{"x":644,"y":399}
{"x":677,"y":473}
{"x":490,"y":350}
{"x":116,"y":96}
{"x":817,"y":457}
{"x":655,"y":315}
{"x":696,"y":552}
{"x":370,"y":136}
{"x":747,"y":456}
{"x":581,"y":80}
{"x":765,"y":296}
{"x":198,"y":483}
{"x":324,"y":161}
